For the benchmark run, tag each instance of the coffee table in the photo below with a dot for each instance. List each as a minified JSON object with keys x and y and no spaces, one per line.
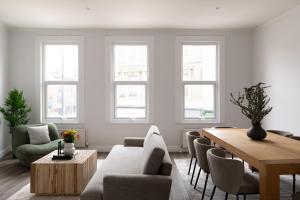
{"x":56,"y":177}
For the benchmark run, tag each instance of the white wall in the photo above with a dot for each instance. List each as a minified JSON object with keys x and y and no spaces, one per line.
{"x":102,"y":134}
{"x":277,"y":62}
{"x":4,"y":135}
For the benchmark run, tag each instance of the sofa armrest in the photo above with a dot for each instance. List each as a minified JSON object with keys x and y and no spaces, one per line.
{"x":134,"y":141}
{"x":136,"y":187}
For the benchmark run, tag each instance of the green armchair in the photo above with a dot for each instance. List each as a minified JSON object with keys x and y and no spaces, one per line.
{"x":28,"y":153}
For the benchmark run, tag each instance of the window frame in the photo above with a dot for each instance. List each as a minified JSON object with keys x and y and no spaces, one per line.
{"x":218,"y":84}
{"x":41,"y":41}
{"x":112,"y":83}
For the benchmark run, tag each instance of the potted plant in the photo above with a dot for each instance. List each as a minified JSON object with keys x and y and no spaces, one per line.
{"x":69,"y":137}
{"x":254,"y":105}
{"x":15,"y":109}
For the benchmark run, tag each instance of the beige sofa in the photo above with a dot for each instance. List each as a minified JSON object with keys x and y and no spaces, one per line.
{"x":138,"y":170}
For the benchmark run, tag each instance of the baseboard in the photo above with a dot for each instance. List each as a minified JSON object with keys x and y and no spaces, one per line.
{"x":108,"y":148}
{"x":4,"y":151}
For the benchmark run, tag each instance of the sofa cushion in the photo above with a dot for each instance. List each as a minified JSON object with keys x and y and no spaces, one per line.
{"x":28,"y":153}
{"x":120,"y":160}
{"x":153,"y":154}
{"x":152,"y":130}
{"x":38,"y":134}
{"x":153,"y":161}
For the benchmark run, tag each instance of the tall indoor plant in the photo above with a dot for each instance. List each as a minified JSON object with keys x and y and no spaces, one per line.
{"x":15,"y":109}
{"x":254,"y":105}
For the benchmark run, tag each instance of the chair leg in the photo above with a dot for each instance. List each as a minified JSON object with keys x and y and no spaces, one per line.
{"x":226,"y":196}
{"x":193,"y":171}
{"x":237,"y":197}
{"x":190,"y":165}
{"x":232,"y":156}
{"x":213,"y":193}
{"x":294,"y":183}
{"x":244,"y":196}
{"x":197,"y":178}
{"x":204,"y":189}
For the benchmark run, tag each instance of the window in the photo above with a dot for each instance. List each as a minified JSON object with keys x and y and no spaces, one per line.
{"x":61,"y":79}
{"x":199,"y":61}
{"x":129,"y":68}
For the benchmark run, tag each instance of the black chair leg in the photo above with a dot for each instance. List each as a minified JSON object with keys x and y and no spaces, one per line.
{"x":193,"y":171}
{"x":237,"y":197}
{"x":213,"y":193}
{"x":294,"y":183}
{"x":190,"y":166}
{"x":231,"y":156}
{"x":244,"y":196}
{"x":197,"y":178}
{"x":204,"y":189}
{"x":226,"y":196}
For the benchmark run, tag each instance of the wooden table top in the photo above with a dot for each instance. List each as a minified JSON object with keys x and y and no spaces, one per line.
{"x":80,"y":157}
{"x":274,"y":149}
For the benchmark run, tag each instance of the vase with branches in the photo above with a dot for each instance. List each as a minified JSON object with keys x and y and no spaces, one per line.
{"x":254,"y":105}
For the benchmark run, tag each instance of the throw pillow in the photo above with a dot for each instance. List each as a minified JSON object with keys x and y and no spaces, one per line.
{"x":38,"y":134}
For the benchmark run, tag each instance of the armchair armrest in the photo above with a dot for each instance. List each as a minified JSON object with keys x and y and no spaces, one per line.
{"x":134,"y":141}
{"x":136,"y":187}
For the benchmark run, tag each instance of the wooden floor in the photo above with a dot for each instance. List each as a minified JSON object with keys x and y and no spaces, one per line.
{"x":13,"y":177}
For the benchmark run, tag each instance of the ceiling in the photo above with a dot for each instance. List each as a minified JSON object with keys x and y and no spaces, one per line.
{"x":205,"y":14}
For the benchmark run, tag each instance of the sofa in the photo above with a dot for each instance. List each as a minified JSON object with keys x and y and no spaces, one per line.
{"x":28,"y":153}
{"x":138,"y":170}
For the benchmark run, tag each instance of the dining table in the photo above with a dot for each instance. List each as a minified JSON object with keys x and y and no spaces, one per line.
{"x":273,"y":156}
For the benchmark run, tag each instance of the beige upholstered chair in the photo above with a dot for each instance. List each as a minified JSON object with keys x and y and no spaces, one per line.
{"x":202,"y":145}
{"x":228,"y":175}
{"x":190,"y":136}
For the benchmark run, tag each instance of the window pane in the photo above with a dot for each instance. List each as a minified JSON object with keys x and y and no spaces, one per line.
{"x":199,"y":101}
{"x":130,"y":62}
{"x":61,"y":101}
{"x":199,"y":62}
{"x":131,"y":113}
{"x":61,"y":62}
{"x":130,"y":101}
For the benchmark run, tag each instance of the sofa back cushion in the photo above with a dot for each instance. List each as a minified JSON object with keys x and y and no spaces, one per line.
{"x":153,"y":155}
{"x":152,"y":130}
{"x":156,"y":159}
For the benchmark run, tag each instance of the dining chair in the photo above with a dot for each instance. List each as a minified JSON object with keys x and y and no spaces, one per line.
{"x":229,"y":176}
{"x":202,"y":145}
{"x":190,"y":136}
{"x":296,"y":196}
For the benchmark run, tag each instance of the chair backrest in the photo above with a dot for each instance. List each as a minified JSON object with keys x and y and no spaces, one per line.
{"x":227,"y":174}
{"x":190,"y":136}
{"x":282,"y":133}
{"x":223,"y":127}
{"x":202,"y":145}
{"x":20,"y":134}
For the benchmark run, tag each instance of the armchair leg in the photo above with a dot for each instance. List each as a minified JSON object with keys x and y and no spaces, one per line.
{"x":193,"y":171}
{"x":190,"y":165}
{"x":197,"y":178}
{"x":204,"y":189}
{"x":213,"y":193}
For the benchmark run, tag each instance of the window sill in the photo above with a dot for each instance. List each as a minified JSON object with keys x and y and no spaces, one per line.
{"x":130,"y":121}
{"x":195,"y":121}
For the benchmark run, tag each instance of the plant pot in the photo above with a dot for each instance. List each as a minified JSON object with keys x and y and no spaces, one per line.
{"x":69,"y":149}
{"x":256,"y":132}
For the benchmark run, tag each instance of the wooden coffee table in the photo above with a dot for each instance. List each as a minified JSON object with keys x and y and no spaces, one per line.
{"x":56,"y":177}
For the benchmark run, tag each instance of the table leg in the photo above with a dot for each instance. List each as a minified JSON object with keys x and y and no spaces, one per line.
{"x":269,"y":187}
